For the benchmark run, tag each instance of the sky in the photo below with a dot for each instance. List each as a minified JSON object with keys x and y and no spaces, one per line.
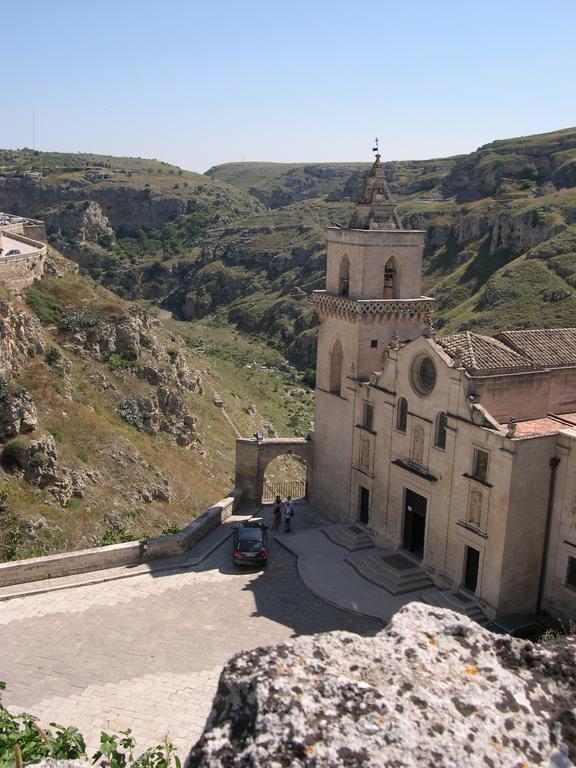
{"x":199,"y":83}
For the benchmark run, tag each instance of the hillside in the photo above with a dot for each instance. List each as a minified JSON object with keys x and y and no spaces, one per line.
{"x":117,"y":422}
{"x":245,"y":243}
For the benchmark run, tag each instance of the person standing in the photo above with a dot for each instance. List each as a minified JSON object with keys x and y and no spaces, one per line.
{"x":277,"y":511}
{"x":288,"y":514}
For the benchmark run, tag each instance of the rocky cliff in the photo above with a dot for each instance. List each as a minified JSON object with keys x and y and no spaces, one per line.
{"x":434,"y":689}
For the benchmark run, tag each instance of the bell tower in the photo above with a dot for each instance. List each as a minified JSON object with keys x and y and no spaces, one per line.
{"x":372,"y":296}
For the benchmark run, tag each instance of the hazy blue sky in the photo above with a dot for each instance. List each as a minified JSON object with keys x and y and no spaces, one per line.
{"x":200,"y":83}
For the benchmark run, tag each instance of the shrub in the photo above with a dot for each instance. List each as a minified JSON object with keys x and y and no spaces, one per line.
{"x":37,"y":460}
{"x":3,"y":500}
{"x":22,"y":394}
{"x":79,"y":320}
{"x":3,"y":390}
{"x":172,"y":529}
{"x":172,"y":354}
{"x":133,"y":413}
{"x":52,"y":355}
{"x":14,"y":454}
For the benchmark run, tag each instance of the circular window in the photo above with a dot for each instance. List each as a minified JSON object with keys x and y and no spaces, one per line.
{"x":423,"y":374}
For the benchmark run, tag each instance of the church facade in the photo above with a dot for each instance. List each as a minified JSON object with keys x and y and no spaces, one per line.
{"x":459,"y":450}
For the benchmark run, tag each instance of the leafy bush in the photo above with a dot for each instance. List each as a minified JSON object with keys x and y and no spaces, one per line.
{"x":52,"y":355}
{"x":14,"y":454}
{"x":79,"y":320}
{"x":133,"y":413}
{"x":24,"y":741}
{"x":115,"y":535}
{"x":21,"y":393}
{"x":37,"y":460}
{"x":3,"y":499}
{"x":172,"y":529}
{"x":3,"y":390}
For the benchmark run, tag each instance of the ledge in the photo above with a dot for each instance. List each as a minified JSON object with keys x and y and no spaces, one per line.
{"x":472,"y":529}
{"x":478,"y":480}
{"x":415,"y":469}
{"x":343,"y":306}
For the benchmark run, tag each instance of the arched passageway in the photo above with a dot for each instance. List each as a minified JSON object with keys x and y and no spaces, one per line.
{"x":285,"y":476}
{"x":254,"y":456}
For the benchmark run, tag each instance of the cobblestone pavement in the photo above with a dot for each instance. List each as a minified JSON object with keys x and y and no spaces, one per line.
{"x":146,"y":652}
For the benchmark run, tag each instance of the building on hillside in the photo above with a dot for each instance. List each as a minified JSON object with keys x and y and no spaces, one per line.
{"x":459,"y":450}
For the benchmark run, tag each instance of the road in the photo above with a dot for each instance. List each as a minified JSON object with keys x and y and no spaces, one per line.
{"x":146,"y":652}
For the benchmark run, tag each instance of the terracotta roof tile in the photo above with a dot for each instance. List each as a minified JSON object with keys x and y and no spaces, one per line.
{"x":484,"y":354}
{"x":547,"y":347}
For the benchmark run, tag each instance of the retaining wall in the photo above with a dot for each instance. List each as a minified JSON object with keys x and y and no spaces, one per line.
{"x":18,"y":271}
{"x":116,"y":555}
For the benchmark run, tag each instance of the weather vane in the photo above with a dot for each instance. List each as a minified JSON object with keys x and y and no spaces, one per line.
{"x":375,"y":148}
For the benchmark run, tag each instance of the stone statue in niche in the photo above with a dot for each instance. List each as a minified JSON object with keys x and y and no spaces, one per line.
{"x":475,"y":509}
{"x":365,"y":452}
{"x":418,"y":445}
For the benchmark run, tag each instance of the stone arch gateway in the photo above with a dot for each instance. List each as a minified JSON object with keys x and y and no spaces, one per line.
{"x":253,"y":456}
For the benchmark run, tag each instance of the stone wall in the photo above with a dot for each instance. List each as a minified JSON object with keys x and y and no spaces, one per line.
{"x":117,"y":555}
{"x":16,"y":272}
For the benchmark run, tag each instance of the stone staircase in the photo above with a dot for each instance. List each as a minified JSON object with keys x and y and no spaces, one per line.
{"x":391,"y":570}
{"x":456,"y":601}
{"x":351,"y":537}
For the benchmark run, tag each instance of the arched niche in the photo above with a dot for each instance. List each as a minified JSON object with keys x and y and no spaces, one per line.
{"x":391,"y":279}
{"x":344,"y":276}
{"x":336,"y":362}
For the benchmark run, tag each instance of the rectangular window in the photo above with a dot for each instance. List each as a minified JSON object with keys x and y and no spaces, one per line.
{"x":368,"y":416}
{"x":374,"y":343}
{"x":571,"y":572}
{"x":480,"y":467}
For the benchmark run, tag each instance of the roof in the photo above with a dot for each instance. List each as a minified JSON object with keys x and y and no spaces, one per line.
{"x":484,"y":354}
{"x":547,"y":347}
{"x":548,"y":425}
{"x":376,"y":209}
{"x":512,"y":351}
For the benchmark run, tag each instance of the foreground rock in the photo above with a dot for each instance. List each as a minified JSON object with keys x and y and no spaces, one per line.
{"x":434,"y":689}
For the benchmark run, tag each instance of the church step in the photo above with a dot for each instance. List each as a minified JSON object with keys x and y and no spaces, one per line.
{"x":456,"y":601}
{"x":351,"y":537}
{"x":378,"y":569}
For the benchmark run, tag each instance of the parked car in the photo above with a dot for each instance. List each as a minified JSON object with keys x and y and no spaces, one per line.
{"x":13,"y":252}
{"x":250,"y":544}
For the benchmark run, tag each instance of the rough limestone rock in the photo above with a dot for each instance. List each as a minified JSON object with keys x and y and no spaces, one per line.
{"x":433,"y":689}
{"x":18,"y":415}
{"x":50,"y":762}
{"x":20,"y":338}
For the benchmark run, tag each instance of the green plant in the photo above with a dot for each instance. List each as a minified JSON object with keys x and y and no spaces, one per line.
{"x":14,"y":454}
{"x":171,"y":529}
{"x":37,"y":460}
{"x":56,"y":434}
{"x":3,"y":390}
{"x":79,"y":320}
{"x":172,"y":354}
{"x":133,"y":413}
{"x":3,"y":500}
{"x":52,"y":355}
{"x":46,"y":308}
{"x":83,"y":455}
{"x":115,"y":535}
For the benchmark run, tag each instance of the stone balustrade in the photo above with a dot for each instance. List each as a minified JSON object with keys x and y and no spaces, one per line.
{"x":343,"y":306}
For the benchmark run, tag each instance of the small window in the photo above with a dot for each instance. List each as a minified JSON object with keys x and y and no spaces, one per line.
{"x":402,"y":415}
{"x":368,"y":416}
{"x":571,"y":572}
{"x":440,"y":431}
{"x":480,"y":468}
{"x":374,"y":343}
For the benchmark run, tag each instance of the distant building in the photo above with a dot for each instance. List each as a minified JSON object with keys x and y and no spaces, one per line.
{"x":458,"y":450}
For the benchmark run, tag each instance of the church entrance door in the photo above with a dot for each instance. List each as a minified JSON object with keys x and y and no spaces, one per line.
{"x":364,"y":505}
{"x":414,"y":523}
{"x":471,"y":569}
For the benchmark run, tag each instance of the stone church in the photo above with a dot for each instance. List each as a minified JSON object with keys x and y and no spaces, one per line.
{"x":459,"y":450}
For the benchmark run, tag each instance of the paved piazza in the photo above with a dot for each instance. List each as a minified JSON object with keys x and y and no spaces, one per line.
{"x":146,"y":652}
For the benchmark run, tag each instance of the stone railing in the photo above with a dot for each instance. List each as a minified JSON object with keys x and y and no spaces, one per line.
{"x":117,"y":555}
{"x":343,"y":306}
